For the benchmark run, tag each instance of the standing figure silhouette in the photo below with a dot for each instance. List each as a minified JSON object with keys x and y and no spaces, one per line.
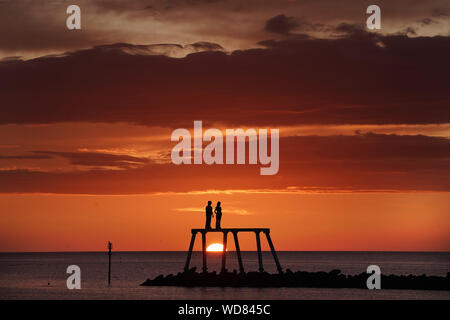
{"x":218,"y":212}
{"x":209,"y":213}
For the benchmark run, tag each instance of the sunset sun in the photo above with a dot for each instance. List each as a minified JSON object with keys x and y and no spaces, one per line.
{"x":215,"y":247}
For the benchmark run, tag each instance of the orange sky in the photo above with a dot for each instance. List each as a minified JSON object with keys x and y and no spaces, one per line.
{"x":301,"y":216}
{"x":377,"y":221}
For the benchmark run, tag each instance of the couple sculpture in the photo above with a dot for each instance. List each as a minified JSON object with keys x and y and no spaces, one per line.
{"x":210,"y":214}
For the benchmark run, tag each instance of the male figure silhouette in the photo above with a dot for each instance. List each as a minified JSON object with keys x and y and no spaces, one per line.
{"x":209,"y":214}
{"x":218,"y":212}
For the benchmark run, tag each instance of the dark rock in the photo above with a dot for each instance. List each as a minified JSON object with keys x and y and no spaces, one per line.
{"x":332,"y":279}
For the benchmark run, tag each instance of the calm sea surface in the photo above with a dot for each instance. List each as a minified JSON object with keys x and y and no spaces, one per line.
{"x":43,"y":275}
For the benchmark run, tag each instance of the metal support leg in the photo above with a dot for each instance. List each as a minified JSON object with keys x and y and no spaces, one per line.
{"x":191,"y":246}
{"x":258,"y":245}
{"x":274,"y":253}
{"x":224,"y":252}
{"x":238,"y":252}
{"x":204,"y":251}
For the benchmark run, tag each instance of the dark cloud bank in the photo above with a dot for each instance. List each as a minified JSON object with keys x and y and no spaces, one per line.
{"x":357,"y":78}
{"x":96,"y":159}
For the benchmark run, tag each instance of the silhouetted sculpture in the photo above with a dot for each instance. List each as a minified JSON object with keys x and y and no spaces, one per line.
{"x":234,"y":231}
{"x":218,"y":212}
{"x":209,"y":214}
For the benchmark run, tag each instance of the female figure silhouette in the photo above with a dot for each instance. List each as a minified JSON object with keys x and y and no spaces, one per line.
{"x":218,"y":212}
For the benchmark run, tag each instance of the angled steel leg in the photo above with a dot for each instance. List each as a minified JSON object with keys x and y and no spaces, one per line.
{"x":258,"y":245}
{"x":274,"y":253}
{"x":238,"y":252}
{"x":191,"y":246}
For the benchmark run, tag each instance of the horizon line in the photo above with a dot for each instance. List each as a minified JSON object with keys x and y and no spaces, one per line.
{"x":213,"y":252}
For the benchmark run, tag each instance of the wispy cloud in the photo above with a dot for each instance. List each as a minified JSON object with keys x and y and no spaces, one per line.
{"x":286,"y":191}
{"x":241,"y":212}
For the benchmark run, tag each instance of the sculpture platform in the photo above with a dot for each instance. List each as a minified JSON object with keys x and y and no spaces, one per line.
{"x":232,"y":230}
{"x":235,"y":232}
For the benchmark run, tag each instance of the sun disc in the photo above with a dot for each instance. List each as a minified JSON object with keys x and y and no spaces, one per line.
{"x":215,"y":247}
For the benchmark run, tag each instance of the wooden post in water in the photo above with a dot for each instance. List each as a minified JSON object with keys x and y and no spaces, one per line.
{"x":109,"y":262}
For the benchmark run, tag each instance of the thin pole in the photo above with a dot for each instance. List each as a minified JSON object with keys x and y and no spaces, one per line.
{"x":109,"y":262}
{"x":191,"y":246}
{"x":238,"y":252}
{"x":224,"y":252}
{"x":204,"y":250}
{"x":274,"y":253}
{"x":258,"y":245}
